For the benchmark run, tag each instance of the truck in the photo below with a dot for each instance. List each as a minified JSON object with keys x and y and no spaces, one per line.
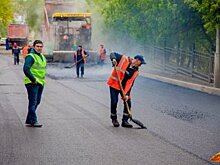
{"x":17,"y":33}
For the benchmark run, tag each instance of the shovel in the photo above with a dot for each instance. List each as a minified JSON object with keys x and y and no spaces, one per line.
{"x":70,"y":66}
{"x":129,"y":111}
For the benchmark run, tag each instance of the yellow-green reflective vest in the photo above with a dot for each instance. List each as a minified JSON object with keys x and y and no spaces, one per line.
{"x":38,"y":69}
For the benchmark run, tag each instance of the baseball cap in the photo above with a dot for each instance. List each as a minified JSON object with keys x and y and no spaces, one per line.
{"x":141,"y":58}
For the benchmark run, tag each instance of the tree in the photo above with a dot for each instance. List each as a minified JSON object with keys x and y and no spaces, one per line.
{"x":31,"y":11}
{"x":151,"y":22}
{"x":34,"y":14}
{"x":210,"y":11}
{"x":6,"y":15}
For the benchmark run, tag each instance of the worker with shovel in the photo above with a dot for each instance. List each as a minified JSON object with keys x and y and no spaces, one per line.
{"x":120,"y":82}
{"x":80,"y":60}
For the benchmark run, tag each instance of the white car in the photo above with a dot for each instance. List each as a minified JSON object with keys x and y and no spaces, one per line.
{"x":3,"y":41}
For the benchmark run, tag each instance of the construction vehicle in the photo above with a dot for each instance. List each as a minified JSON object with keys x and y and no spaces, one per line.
{"x":72,"y":29}
{"x":63,"y":30}
{"x":17,"y":33}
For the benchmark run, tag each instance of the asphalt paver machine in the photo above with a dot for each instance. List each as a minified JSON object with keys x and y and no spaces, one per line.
{"x":72,"y":29}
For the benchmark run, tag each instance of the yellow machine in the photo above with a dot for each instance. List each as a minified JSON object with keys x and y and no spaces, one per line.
{"x":72,"y":29}
{"x":62,"y":30}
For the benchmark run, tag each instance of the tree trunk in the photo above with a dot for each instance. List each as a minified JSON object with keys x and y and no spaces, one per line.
{"x":217,"y":60}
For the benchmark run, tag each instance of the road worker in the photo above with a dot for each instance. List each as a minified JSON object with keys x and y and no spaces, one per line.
{"x":26,"y":50}
{"x":34,"y":80}
{"x":80,"y":60}
{"x":16,"y":52}
{"x":127,"y":69}
{"x":102,"y":53}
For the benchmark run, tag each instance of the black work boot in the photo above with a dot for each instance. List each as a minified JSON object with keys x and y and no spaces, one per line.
{"x":115,"y":123}
{"x":126,"y":124}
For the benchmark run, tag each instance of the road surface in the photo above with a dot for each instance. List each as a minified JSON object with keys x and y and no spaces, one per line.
{"x":183,"y":125}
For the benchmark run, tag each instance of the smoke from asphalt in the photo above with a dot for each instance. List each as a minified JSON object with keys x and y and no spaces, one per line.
{"x":109,"y":39}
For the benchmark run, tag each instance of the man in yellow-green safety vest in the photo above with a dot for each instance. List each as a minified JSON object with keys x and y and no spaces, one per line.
{"x":34,"y":80}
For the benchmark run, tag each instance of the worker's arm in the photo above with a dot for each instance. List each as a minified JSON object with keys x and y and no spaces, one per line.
{"x":75,"y":56}
{"x":85,"y":52}
{"x":115,"y":58}
{"x":29,"y":61}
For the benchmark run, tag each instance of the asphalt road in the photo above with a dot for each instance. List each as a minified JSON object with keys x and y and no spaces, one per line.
{"x":183,"y":125}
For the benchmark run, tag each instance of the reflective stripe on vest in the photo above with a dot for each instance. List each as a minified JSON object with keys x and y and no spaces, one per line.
{"x":121,"y":68}
{"x":130,"y":82}
{"x":38,"y":69}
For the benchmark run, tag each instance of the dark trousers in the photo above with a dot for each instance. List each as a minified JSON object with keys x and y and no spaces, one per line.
{"x":34,"y":97}
{"x":78,"y":67}
{"x":114,"y":101}
{"x":101,"y":62}
{"x":16,"y":59}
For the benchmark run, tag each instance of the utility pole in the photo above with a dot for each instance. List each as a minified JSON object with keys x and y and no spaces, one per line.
{"x":217,"y":60}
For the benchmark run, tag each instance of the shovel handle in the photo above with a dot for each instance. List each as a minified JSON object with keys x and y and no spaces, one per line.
{"x":80,"y":60}
{"x":75,"y":63}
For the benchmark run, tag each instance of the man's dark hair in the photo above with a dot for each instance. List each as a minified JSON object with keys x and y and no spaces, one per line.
{"x":37,"y":42}
{"x":80,"y":46}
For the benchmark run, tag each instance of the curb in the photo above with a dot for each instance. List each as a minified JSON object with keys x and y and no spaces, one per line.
{"x":197,"y":87}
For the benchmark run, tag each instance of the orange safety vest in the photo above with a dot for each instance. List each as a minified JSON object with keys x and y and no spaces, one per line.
{"x":102,"y":54}
{"x":25,"y":51}
{"x":122,"y":66}
{"x":83,"y":56}
{"x":216,"y":158}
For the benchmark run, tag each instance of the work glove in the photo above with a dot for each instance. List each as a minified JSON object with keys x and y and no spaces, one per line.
{"x":114,"y":62}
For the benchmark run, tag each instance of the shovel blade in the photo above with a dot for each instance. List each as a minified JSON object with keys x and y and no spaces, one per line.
{"x":68,"y":66}
{"x":138,"y":123}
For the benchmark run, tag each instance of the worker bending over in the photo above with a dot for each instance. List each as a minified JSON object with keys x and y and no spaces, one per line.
{"x":127,"y":69}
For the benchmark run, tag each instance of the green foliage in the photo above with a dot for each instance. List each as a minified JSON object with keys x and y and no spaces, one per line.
{"x":31,"y":10}
{"x":154,"y":21}
{"x":210,"y":10}
{"x":6,"y":15}
{"x":34,"y":14}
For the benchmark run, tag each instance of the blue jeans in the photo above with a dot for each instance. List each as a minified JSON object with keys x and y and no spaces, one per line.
{"x":34,"y":96}
{"x":78,"y":66}
{"x":114,"y":101}
{"x":16,"y":59}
